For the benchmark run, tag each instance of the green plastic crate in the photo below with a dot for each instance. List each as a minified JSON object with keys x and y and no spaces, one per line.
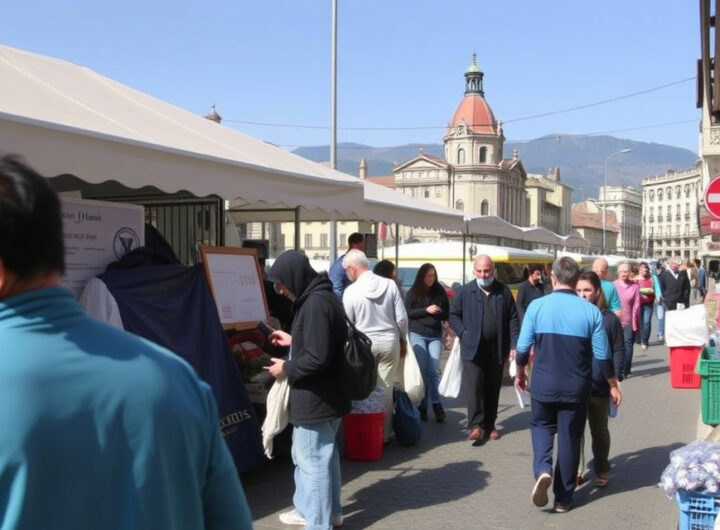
{"x":709,"y":371}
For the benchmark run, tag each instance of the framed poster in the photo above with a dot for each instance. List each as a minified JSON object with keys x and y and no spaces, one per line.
{"x":236,"y":282}
{"x":97,"y":233}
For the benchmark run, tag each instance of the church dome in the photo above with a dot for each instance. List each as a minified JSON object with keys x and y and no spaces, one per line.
{"x":473,"y":110}
{"x":476,"y":114}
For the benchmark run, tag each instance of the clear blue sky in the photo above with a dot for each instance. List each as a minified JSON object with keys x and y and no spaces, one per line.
{"x":400,"y":62}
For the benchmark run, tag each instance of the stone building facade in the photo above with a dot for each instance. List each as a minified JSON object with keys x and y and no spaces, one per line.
{"x":586,"y":219}
{"x":669,"y":213}
{"x":473,"y":176}
{"x":626,"y":203}
{"x":549,"y":202}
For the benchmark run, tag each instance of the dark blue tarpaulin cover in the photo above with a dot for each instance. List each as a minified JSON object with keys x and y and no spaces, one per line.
{"x":172,"y":305}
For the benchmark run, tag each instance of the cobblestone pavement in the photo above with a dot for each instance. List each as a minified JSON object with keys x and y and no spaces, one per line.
{"x":445,"y":482}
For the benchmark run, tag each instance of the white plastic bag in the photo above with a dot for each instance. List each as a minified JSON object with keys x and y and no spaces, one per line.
{"x":452,"y":376}
{"x":686,"y":327}
{"x":278,"y":413}
{"x":410,"y":376}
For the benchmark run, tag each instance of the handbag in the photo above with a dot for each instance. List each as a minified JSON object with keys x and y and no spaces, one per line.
{"x":406,"y":419}
{"x":452,"y":375}
{"x":410,"y":376}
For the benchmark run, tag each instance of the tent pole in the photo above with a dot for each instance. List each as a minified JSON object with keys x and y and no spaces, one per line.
{"x":333,"y":122}
{"x":397,"y":244}
{"x":464,"y":249}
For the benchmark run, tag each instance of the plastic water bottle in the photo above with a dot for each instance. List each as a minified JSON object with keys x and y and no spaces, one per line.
{"x":612,"y":410}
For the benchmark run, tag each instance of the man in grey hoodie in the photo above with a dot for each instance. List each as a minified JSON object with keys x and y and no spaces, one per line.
{"x":375,"y":306}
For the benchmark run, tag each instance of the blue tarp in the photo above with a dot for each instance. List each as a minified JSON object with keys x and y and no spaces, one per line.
{"x":172,"y":305}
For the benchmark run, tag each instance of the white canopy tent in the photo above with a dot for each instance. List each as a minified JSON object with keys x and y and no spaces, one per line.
{"x":492,"y":225}
{"x":380,"y":204}
{"x":541,"y":235}
{"x":389,"y":206}
{"x":66,"y":119}
{"x":573,"y":241}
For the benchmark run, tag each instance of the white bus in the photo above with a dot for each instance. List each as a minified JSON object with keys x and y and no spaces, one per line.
{"x":447,"y":256}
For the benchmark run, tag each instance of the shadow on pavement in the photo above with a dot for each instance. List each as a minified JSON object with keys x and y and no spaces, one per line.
{"x":628,"y":472}
{"x":412,"y":488}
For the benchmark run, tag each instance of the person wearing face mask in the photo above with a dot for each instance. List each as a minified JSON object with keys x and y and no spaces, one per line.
{"x":484,"y":317}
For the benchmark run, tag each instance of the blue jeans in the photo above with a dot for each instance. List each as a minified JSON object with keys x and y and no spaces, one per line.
{"x":660,"y":312}
{"x":317,"y":474}
{"x":427,"y":352}
{"x":629,"y":339}
{"x":646,"y":311}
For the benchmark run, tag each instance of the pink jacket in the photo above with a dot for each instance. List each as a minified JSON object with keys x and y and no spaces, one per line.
{"x":629,"y":294}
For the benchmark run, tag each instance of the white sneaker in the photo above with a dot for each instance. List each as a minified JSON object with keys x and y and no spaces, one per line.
{"x":294,"y":518}
{"x":540,"y":491}
{"x":644,"y":346}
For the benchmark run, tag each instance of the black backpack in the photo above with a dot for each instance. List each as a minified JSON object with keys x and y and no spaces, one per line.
{"x":357,"y":377}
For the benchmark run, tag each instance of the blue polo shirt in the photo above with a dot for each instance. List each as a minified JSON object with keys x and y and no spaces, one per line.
{"x":612,"y":298}
{"x":103,"y":429}
{"x":567,"y":332}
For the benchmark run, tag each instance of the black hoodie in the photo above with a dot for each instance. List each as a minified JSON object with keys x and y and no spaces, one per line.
{"x":318,"y":334}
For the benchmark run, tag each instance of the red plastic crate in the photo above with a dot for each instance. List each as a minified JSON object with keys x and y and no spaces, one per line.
{"x":682,"y":366}
{"x":364,"y":435}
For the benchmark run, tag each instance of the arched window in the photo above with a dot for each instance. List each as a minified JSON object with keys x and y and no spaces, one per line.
{"x":652,"y":195}
{"x":483,"y":155}
{"x":660,"y":194}
{"x":668,"y":192}
{"x":459,"y":205}
{"x":461,"y":156}
{"x":484,"y":207}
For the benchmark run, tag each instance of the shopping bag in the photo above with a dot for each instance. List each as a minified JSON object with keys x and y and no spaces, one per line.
{"x":686,"y":327}
{"x":410,"y":376}
{"x":406,"y":419}
{"x":278,"y":413}
{"x":452,"y":376}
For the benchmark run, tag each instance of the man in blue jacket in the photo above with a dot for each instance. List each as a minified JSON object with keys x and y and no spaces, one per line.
{"x":101,"y":429}
{"x":484,"y":317}
{"x":337,"y":273}
{"x":567,"y":333}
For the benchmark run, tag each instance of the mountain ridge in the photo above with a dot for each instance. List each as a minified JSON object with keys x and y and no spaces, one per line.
{"x":581,"y":159}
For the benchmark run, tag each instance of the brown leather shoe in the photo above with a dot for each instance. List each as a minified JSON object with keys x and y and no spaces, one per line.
{"x":494,"y":434}
{"x":476,"y":434}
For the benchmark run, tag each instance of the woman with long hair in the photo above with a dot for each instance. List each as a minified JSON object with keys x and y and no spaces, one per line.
{"x":427,"y":307}
{"x":590,"y":288}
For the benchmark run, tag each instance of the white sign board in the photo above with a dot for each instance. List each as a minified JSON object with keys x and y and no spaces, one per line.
{"x":96,"y":234}
{"x":236,"y":282}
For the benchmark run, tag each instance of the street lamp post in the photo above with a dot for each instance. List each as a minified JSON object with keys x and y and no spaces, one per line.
{"x":604,"y":199}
